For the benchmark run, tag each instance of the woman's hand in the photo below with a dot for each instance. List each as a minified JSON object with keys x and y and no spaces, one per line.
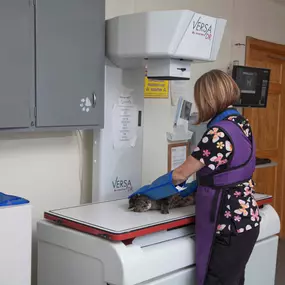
{"x":184,"y":171}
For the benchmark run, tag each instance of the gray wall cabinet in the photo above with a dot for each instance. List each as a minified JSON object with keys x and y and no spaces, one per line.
{"x":52,"y":64}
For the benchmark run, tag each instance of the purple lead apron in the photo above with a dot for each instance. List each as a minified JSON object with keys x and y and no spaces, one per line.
{"x":210,"y":192}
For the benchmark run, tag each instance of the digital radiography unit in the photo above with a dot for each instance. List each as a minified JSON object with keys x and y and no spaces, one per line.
{"x":104,"y":243}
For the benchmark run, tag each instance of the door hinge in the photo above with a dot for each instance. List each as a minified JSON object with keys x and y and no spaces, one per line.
{"x":32,"y":3}
{"x":35,"y":112}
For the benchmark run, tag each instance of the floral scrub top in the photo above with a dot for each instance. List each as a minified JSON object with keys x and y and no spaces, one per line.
{"x":239,"y":210}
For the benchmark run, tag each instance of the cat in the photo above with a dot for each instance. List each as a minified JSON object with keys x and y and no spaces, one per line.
{"x":142,"y":203}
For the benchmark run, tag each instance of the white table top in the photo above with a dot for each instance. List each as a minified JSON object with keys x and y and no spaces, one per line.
{"x":115,"y":217}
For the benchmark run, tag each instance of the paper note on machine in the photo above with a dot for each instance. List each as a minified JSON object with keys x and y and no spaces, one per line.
{"x":125,"y":122}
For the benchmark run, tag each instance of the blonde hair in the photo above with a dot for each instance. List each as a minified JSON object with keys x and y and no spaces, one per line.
{"x":214,"y":92}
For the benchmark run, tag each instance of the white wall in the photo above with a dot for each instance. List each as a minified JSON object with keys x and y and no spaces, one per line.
{"x":262,"y":19}
{"x":45,"y":167}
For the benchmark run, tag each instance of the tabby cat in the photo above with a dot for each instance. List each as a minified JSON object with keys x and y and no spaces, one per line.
{"x":142,"y":203}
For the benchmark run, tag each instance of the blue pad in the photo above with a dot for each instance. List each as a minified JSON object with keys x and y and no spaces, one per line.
{"x":163,"y":187}
{"x":10,"y":200}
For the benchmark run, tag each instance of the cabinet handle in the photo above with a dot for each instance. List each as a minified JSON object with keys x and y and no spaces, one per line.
{"x":94,"y":98}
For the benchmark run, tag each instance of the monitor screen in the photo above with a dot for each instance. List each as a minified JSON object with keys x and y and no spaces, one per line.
{"x":253,"y":83}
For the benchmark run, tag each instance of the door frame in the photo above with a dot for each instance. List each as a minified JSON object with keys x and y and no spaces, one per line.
{"x":279,"y":54}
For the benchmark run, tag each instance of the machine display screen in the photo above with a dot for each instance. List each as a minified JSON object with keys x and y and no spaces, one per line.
{"x":253,"y":83}
{"x":247,"y":82}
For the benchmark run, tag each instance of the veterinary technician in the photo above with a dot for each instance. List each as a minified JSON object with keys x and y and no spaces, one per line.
{"x":227,"y":215}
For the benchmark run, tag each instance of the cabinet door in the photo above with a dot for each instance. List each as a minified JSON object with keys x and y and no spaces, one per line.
{"x":70,"y":45}
{"x":16,"y":63}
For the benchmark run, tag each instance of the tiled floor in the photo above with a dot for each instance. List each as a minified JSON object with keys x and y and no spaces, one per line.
{"x":280,"y":274}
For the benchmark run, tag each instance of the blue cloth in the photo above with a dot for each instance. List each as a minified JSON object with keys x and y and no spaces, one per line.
{"x":163,"y":186}
{"x":10,"y":200}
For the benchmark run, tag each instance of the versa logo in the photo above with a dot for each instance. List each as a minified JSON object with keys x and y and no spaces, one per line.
{"x":202,"y":29}
{"x":122,"y":185}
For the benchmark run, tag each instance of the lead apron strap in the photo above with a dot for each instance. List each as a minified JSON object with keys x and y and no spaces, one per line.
{"x":205,"y":228}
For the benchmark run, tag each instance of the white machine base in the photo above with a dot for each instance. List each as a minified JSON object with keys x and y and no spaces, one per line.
{"x":69,"y":257}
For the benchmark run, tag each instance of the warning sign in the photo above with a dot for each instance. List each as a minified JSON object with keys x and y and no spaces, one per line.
{"x":156,"y":88}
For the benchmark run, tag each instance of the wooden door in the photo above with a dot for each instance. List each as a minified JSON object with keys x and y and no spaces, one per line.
{"x":268,"y":123}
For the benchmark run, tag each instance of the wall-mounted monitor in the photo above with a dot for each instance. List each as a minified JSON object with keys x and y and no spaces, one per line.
{"x":253,"y":83}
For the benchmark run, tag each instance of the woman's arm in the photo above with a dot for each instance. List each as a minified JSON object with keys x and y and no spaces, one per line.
{"x":184,"y":171}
